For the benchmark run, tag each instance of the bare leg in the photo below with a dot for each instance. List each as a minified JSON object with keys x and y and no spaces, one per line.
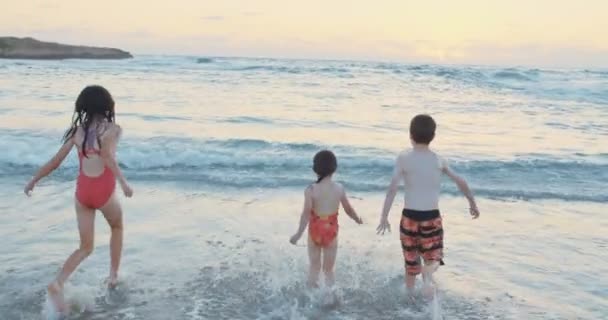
{"x":410,"y":279}
{"x":329,"y":260}
{"x":410,"y":282}
{"x":86,"y":228}
{"x":427,"y":271}
{"x":113,"y":214}
{"x":314,"y":255}
{"x":430,"y":266}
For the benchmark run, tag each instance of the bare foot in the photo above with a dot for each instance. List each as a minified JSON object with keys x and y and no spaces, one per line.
{"x":55,"y":292}
{"x":410,"y":295}
{"x":112,"y":281}
{"x":410,"y":298}
{"x":312,"y":284}
{"x":331,"y":299}
{"x":428,"y":290}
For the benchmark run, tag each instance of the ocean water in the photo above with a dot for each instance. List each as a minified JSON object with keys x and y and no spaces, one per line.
{"x":219,"y":151}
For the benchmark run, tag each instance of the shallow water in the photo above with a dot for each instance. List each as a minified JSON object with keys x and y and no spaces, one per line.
{"x":192,"y":255}
{"x":220,"y":151}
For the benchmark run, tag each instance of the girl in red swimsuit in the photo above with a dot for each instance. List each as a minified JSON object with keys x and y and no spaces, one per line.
{"x":321,"y":204}
{"x":95,"y":135}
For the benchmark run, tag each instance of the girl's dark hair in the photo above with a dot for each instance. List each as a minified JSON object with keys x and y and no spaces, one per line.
{"x":93,"y":102}
{"x":324,"y":164}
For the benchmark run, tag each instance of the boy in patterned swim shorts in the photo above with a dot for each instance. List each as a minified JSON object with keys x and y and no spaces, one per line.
{"x":421,"y":227}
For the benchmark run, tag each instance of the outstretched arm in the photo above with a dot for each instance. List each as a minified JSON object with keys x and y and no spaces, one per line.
{"x":390,"y":197}
{"x":304,"y":217}
{"x":109,"y":141}
{"x":348,"y":208}
{"x":50,"y":166}
{"x":463,"y":186}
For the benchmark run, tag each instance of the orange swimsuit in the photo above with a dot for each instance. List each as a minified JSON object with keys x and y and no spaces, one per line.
{"x":94,"y":192}
{"x":323,"y":230}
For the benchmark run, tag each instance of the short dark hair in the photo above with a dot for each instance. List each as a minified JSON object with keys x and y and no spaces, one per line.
{"x":324,"y":164}
{"x":422,"y":129}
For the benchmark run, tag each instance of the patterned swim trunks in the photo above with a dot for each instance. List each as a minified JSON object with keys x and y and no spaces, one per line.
{"x":421,"y":237}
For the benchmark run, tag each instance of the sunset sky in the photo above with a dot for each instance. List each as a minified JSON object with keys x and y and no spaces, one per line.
{"x":514,"y":32}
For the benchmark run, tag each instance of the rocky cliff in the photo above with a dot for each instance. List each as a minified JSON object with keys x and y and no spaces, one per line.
{"x":28,"y":48}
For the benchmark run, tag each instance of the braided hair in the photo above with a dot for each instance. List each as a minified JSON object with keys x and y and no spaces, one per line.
{"x":324,"y":164}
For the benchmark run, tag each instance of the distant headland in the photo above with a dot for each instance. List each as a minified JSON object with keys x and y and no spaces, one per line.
{"x":29,"y":48}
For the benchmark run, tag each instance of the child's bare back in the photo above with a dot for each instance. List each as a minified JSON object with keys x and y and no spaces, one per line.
{"x":326,"y":196}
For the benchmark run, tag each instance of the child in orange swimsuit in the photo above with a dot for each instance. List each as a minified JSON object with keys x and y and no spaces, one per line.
{"x":95,"y":135}
{"x":321,"y":204}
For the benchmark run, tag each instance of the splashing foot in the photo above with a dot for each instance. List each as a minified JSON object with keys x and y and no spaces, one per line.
{"x":55,"y":294}
{"x":112,"y":281}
